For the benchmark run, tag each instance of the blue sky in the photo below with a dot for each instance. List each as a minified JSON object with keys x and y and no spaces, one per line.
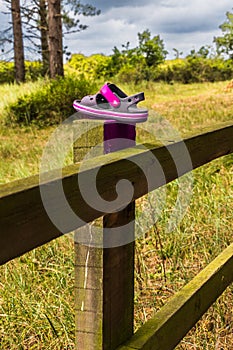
{"x":183,"y":24}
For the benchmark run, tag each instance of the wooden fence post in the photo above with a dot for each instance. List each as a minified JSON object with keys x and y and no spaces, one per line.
{"x":104,"y":278}
{"x":118,"y":261}
{"x":88,"y":260}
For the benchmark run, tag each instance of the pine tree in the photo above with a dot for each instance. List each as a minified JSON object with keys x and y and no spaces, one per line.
{"x":55,"y":38}
{"x":18,"y":41}
{"x":224,"y":43}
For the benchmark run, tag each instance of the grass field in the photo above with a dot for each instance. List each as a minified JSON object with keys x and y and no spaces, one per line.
{"x":36,"y":290}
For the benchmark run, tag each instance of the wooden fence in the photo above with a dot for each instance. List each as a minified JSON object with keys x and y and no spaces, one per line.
{"x":25,"y":225}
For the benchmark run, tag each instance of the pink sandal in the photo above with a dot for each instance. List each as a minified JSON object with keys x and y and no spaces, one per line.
{"x":111,"y":103}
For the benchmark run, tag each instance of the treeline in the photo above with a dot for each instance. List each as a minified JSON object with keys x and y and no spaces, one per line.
{"x":146,"y":61}
{"x":52,"y":101}
{"x":33,"y":71}
{"x":43,"y":24}
{"x":186,"y":70}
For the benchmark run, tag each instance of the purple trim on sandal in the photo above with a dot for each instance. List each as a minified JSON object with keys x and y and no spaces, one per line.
{"x":139,"y":117}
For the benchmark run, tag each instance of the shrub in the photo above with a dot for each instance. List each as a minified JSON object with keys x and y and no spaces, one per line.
{"x":186,"y":71}
{"x":34,"y":70}
{"x":94,"y":67}
{"x":51,"y":103}
{"x":6,"y":72}
{"x":194,"y":70}
{"x":129,"y":73}
{"x":129,"y":65}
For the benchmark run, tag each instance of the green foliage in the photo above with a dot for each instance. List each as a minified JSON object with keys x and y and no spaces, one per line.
{"x":71,"y":23}
{"x":203,"y":52}
{"x":138,"y":63}
{"x":76,"y":8}
{"x":225,"y":43}
{"x":6,"y":72}
{"x":51,"y":103}
{"x":125,"y":59}
{"x":34,"y":16}
{"x":187,"y":70}
{"x":151,"y":48}
{"x":195,"y":69}
{"x":92,"y":67}
{"x":39,"y":286}
{"x":34,"y":70}
{"x":147,"y":62}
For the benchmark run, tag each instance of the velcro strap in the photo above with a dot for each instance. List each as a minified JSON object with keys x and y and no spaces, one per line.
{"x":110,"y":96}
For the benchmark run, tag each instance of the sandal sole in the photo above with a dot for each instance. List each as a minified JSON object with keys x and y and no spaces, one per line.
{"x":95,"y":113}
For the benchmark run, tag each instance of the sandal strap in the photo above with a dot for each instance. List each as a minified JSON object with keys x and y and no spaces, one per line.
{"x":134,"y":99}
{"x":115,"y":101}
{"x":112,"y":99}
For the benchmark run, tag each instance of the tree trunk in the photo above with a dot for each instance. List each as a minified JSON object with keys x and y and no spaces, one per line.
{"x":43,"y":26}
{"x":55,"y":39}
{"x":18,"y":41}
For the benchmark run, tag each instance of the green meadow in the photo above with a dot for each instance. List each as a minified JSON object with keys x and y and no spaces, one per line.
{"x":37,"y":289}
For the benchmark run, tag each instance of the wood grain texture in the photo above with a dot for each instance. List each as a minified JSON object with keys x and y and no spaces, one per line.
{"x":170,"y":324}
{"x":88,"y":260}
{"x":88,"y":297}
{"x":24,"y":223}
{"x":104,"y":278}
{"x":118,"y":257}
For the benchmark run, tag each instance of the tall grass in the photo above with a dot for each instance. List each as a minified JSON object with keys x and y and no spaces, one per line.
{"x":36,"y":290}
{"x":10,"y":92}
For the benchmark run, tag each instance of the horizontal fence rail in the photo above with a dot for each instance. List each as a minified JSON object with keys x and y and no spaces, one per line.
{"x":180,"y":314}
{"x":24,"y":223}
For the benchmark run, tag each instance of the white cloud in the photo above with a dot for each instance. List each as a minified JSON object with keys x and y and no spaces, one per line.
{"x":183,"y":25}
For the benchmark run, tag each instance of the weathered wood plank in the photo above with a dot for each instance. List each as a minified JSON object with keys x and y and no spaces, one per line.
{"x":24,"y":223}
{"x":179,"y":315}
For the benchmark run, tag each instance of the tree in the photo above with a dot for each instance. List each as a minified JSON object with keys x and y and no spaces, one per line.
{"x":18,"y":41}
{"x":72,"y":23}
{"x":34,"y":14}
{"x":55,"y":38}
{"x":43,"y":29}
{"x":203,"y":52}
{"x":36,"y":22}
{"x":224,"y":44}
{"x":177,"y":53}
{"x":152,"y":49}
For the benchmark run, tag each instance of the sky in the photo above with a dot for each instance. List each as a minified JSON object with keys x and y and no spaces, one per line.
{"x":182,"y":24}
